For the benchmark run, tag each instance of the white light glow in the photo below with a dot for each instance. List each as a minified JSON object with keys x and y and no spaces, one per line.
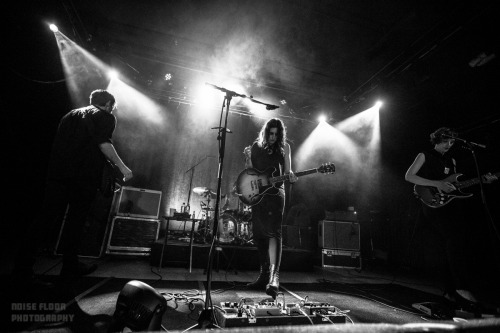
{"x":113,"y":74}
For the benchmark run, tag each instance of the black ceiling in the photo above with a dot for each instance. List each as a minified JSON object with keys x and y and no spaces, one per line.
{"x":421,"y":57}
{"x":337,"y":56}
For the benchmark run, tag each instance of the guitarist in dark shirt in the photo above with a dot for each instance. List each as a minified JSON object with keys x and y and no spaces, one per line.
{"x":81,"y":147}
{"x":270,"y":149}
{"x":431,"y":168}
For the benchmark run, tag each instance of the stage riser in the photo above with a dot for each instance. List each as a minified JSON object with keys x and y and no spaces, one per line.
{"x":238,"y":257}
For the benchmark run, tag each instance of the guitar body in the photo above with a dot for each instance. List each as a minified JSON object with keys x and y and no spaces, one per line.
{"x":252,"y":185}
{"x":434,"y":198}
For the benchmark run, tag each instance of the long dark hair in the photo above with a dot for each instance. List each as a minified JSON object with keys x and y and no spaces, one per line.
{"x":263,"y":138}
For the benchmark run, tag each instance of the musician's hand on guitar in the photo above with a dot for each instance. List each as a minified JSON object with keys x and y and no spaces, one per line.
{"x":247,"y":152}
{"x":292,"y":178}
{"x":489,"y":178}
{"x":445,"y":186}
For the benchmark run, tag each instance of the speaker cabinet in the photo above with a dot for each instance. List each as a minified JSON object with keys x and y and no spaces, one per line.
{"x":339,"y":235}
{"x":132,"y":236}
{"x":340,"y":258}
{"x":138,"y":202}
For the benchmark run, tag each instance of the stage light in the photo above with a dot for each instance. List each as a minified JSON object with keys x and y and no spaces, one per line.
{"x":113,"y":74}
{"x":322,"y":118}
{"x":283,"y":102}
{"x":139,"y":307}
{"x":168,"y":77}
{"x":378,"y":104}
{"x":53,"y":27}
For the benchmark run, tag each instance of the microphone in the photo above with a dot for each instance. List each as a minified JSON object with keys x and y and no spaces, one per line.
{"x":271,"y":107}
{"x":464,"y":141}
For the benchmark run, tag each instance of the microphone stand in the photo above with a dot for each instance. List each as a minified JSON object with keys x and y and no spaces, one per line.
{"x":469,"y":145}
{"x":207,"y":318}
{"x":191,"y":181}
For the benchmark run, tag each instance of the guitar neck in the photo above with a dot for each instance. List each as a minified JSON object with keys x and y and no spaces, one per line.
{"x":473,"y":181}
{"x":287,"y":176}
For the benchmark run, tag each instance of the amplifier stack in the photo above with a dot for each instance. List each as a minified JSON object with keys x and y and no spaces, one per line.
{"x":134,"y":221}
{"x":340,"y":240}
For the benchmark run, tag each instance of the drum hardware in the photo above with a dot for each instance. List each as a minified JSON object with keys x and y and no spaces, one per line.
{"x":204,"y":232}
{"x":204,"y":191}
{"x":233,"y":225}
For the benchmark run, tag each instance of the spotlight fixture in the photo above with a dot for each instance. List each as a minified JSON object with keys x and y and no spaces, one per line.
{"x":53,"y":27}
{"x":168,"y":77}
{"x":481,"y":59}
{"x":283,"y":102}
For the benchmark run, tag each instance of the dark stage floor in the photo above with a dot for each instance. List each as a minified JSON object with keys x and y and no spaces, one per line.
{"x":375,"y":294}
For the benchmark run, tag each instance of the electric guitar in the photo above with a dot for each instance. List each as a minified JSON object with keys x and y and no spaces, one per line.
{"x":435,"y":198}
{"x":109,"y":181}
{"x":252,"y":185}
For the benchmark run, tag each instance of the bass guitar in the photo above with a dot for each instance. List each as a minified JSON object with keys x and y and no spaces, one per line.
{"x":252,"y":185}
{"x":435,"y":198}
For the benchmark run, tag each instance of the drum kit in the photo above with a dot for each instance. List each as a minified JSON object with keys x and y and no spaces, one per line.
{"x":235,"y":225}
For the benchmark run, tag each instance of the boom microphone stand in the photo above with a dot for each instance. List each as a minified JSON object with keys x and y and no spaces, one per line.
{"x":207,"y":317}
{"x":470,"y":146}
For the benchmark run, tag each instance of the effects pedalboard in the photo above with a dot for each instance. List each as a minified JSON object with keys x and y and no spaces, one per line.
{"x":248,"y":313}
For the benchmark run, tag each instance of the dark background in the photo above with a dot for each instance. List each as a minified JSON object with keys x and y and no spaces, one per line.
{"x":417,"y":56}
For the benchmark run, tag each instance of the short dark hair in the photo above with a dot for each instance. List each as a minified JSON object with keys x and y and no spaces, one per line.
{"x":442,"y":134}
{"x":101,"y":97}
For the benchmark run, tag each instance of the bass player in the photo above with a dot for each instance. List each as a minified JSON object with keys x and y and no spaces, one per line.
{"x":431,"y":168}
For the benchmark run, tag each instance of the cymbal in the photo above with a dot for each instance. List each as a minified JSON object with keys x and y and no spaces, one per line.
{"x":205,"y":191}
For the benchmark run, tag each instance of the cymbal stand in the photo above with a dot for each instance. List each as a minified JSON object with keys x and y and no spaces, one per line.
{"x":191,"y":181}
{"x":207,"y":216}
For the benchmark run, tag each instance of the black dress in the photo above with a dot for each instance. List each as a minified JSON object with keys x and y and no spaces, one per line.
{"x":267,"y":215}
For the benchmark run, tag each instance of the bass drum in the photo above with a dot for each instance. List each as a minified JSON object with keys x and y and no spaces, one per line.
{"x":228,"y":224}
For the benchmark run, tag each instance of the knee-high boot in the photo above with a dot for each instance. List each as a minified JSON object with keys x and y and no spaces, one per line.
{"x":263,"y":278}
{"x":273,"y":285}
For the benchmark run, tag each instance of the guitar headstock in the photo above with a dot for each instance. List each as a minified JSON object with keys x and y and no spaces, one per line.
{"x":327,"y":168}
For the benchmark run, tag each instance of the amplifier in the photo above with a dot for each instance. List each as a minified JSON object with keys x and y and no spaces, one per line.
{"x":339,"y":235}
{"x":131,"y":235}
{"x":138,"y":202}
{"x":340,"y":258}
